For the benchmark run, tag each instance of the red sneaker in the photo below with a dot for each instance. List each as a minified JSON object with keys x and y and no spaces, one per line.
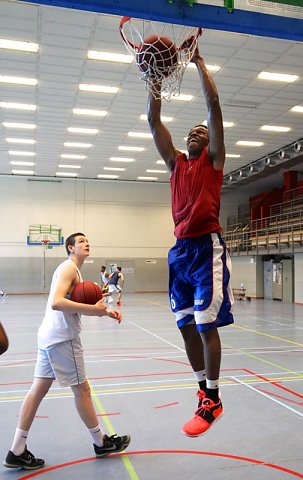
{"x":204,"y":418}
{"x":119,"y":304}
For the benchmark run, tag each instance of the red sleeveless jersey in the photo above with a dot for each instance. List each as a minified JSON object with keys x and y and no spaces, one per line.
{"x":196,"y":189}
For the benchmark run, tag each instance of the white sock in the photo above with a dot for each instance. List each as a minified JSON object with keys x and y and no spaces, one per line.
{"x":212,"y":384}
{"x":200,"y":376}
{"x":97,"y":435}
{"x":19,"y":441}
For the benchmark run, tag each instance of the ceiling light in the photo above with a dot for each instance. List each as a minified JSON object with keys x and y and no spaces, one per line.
{"x":297,"y":147}
{"x":27,"y":164}
{"x":87,"y":111}
{"x":23,"y":172}
{"x":122,"y":159}
{"x":156,"y":171}
{"x":131,"y":149}
{"x":183,"y":98}
{"x":18,"y":106}
{"x":109,"y":57}
{"x":297,"y":108}
{"x":270,"y":161}
{"x":164,"y":119}
{"x":77,"y":144}
{"x":228,"y":124}
{"x":244,"y":143}
{"x":69,"y":166}
{"x":254,"y":169}
{"x":88,"y":131}
{"x":232,"y":155}
{"x":147,"y":178}
{"x":26,"y":141}
{"x":103,"y":175}
{"x":73,"y":157}
{"x":160,"y":162}
{"x":18,"y":80}
{"x":225,"y":124}
{"x":22,"y":154}
{"x":277,"y":77}
{"x":140,"y":135}
{"x":115,"y":169}
{"x":97,"y":88}
{"x":16,"y":45}
{"x":66,"y":174}
{"x":210,"y":68}
{"x":28,"y":126}
{"x":273,"y":128}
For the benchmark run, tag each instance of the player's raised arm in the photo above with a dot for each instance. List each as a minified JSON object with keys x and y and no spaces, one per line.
{"x":216,"y":148}
{"x":161,"y":134}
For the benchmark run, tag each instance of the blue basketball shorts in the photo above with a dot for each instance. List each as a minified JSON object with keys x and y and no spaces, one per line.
{"x":199,"y":275}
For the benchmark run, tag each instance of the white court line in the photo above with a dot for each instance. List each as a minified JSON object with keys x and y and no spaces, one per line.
{"x":158,"y":337}
{"x":268,"y":396}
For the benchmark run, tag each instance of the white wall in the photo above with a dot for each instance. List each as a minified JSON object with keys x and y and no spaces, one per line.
{"x":122,"y":220}
{"x":249,"y":271}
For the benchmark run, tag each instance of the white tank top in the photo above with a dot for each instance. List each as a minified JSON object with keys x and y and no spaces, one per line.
{"x":104,"y":278}
{"x":58,"y":326}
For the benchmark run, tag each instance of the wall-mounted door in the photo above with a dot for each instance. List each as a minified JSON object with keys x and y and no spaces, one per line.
{"x":287,"y":281}
{"x":268,"y":279}
{"x":277,"y":281}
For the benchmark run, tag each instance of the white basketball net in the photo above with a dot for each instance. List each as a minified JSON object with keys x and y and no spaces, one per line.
{"x":170,"y":69}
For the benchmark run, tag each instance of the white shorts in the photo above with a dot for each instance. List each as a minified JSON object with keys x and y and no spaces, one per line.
{"x":114,"y":288}
{"x":63,"y":362}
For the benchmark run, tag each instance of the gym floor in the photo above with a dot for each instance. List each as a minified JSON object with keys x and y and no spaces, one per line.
{"x":142,"y":385}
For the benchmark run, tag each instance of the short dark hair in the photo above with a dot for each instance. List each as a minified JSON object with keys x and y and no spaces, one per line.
{"x":71,"y":240}
{"x":119,"y":269}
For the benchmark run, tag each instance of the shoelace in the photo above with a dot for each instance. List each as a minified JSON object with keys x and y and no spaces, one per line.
{"x":29,"y":455}
{"x":204,"y":409}
{"x":112,"y":440}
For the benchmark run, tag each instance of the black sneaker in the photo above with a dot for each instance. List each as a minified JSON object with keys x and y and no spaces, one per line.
{"x":113,"y":444}
{"x":26,"y":460}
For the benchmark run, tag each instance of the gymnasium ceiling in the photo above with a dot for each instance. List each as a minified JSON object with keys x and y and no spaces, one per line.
{"x":61,"y":64}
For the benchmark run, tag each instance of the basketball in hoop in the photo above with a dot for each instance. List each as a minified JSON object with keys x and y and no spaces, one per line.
{"x":161,"y":51}
{"x":157,"y":56}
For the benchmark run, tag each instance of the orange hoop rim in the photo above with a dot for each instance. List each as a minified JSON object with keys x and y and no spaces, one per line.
{"x":135,"y":47}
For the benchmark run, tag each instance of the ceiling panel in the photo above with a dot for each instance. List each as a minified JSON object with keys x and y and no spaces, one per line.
{"x":61,"y":64}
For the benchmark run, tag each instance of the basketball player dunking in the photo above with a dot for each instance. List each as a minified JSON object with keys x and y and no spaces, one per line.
{"x":60,"y":356}
{"x":199,"y":264}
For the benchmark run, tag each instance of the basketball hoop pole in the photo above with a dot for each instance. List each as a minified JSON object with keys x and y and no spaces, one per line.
{"x":44,"y":244}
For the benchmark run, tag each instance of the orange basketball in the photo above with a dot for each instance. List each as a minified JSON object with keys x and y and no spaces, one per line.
{"x":157,"y":54}
{"x":86,"y":292}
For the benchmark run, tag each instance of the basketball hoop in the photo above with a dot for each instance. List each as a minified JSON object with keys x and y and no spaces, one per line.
{"x":45,"y":242}
{"x":161,"y":51}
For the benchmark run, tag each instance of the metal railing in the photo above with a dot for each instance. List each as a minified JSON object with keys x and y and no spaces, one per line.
{"x":270,"y":234}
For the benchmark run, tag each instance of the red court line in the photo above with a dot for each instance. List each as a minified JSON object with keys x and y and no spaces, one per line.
{"x":18,"y":363}
{"x":140,"y":375}
{"x":277,"y":384}
{"x":167,"y":405}
{"x":175,"y":452}
{"x":280,"y":396}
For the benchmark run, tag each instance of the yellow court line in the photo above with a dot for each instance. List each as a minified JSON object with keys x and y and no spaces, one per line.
{"x":95,"y":393}
{"x":268,"y":335}
{"x":125,"y":459}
